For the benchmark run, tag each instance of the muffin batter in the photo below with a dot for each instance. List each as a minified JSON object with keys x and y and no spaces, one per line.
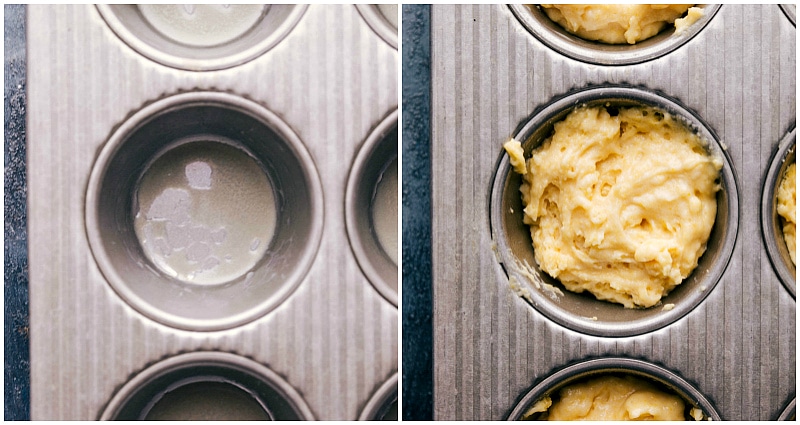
{"x":611,"y":398}
{"x":787,"y":208}
{"x":620,"y":23}
{"x":620,"y":202}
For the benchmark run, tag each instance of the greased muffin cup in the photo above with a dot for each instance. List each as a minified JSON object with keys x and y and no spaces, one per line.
{"x":371,"y":208}
{"x":664,"y":380}
{"x":249,"y":34}
{"x":189,"y":247}
{"x":266,"y":242}
{"x":570,"y":45}
{"x":729,"y":329}
{"x":583,"y":312}
{"x":237,"y":387}
{"x":771,"y":223}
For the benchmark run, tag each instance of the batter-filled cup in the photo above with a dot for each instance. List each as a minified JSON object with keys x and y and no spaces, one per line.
{"x":371,"y":208}
{"x":618,"y":388}
{"x":207,"y":386}
{"x":581,"y":311}
{"x":776,"y":212}
{"x":537,"y":22}
{"x":201,"y":37}
{"x":203,"y":211}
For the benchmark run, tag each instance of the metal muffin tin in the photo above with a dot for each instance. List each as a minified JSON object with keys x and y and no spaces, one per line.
{"x":734,"y":342}
{"x":303,"y":333}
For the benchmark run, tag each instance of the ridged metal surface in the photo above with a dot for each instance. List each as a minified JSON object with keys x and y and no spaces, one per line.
{"x":334,"y":340}
{"x":738,"y":347}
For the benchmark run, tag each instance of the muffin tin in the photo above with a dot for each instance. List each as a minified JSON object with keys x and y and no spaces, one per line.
{"x":500,"y":335}
{"x":159,"y":280}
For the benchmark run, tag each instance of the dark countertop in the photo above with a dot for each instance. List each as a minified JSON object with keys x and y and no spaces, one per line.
{"x":417,"y":298}
{"x":17,"y":363}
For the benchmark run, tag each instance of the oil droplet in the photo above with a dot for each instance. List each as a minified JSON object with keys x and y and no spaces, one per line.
{"x":198,"y":174}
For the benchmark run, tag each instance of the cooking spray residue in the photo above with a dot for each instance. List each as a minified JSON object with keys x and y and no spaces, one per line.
{"x":204,"y":212}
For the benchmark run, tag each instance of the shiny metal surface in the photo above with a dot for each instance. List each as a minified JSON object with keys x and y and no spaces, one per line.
{"x":377,"y":153}
{"x":737,"y":346}
{"x":302,"y":108}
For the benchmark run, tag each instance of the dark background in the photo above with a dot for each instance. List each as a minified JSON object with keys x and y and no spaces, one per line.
{"x":417,"y":301}
{"x":416,"y":292}
{"x":17,"y":364}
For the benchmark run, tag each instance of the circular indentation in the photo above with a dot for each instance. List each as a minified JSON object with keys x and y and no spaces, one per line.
{"x":790,"y":10}
{"x":214,"y":175}
{"x":207,"y":386}
{"x":771,"y":223}
{"x":203,"y":25}
{"x":383,"y":403}
{"x":201,"y":37}
{"x":205,"y":211}
{"x":207,"y":400}
{"x":558,"y":39}
{"x":382,"y":18}
{"x":583,"y":312}
{"x":658,"y":375}
{"x":789,"y":413}
{"x":371,"y":208}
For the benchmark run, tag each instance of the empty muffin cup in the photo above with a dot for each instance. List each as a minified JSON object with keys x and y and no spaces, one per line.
{"x":205,"y":386}
{"x":583,"y":312}
{"x":382,"y":18}
{"x":696,"y":404}
{"x":771,"y":222}
{"x":201,"y":37}
{"x":371,"y":208}
{"x":382,"y":406}
{"x":203,"y":211}
{"x":557,"y":38}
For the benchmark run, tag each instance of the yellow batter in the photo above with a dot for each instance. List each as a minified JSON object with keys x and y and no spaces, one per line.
{"x":620,"y":23}
{"x":620,"y":206}
{"x":787,"y":208}
{"x":611,"y":398}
